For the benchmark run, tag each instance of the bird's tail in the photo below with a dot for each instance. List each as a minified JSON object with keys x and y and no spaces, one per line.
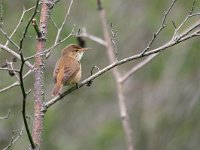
{"x":57,"y":89}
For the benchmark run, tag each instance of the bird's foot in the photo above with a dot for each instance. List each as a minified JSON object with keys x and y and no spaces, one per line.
{"x":77,"y":85}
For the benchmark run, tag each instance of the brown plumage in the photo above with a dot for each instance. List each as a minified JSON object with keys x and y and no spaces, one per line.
{"x":68,"y":68}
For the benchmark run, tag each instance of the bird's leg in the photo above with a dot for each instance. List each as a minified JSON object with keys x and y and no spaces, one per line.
{"x":77,"y":85}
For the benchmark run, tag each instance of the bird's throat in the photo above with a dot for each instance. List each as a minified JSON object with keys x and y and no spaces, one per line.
{"x":79,"y":56}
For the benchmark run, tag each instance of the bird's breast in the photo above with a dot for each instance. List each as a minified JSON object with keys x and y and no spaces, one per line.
{"x":76,"y":78}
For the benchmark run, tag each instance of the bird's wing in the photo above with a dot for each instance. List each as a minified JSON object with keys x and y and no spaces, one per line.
{"x":70,"y":69}
{"x":55,"y":73}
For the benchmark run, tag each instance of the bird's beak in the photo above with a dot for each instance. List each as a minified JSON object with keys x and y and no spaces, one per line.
{"x":85,"y":49}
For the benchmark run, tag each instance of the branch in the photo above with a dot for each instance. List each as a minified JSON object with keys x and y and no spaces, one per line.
{"x":17,"y":83}
{"x":137,"y":67}
{"x":8,"y":38}
{"x":148,"y":59}
{"x":35,"y":25}
{"x":19,"y":23}
{"x":56,"y":42}
{"x":9,"y":69}
{"x":63,"y":23}
{"x":112,"y":56}
{"x":48,"y":51}
{"x":46,"y":6}
{"x":13,"y":139}
{"x":24,"y":94}
{"x":12,"y":52}
{"x":165,"y":46}
{"x":162,"y":26}
{"x":84,"y":33}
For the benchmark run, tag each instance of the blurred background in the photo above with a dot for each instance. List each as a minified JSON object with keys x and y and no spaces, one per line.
{"x":163,"y":98}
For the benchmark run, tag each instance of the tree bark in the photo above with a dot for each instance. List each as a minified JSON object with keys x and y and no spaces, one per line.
{"x":46,"y":5}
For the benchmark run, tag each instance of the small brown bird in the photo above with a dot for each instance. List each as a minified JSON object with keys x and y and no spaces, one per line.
{"x":68,"y":67}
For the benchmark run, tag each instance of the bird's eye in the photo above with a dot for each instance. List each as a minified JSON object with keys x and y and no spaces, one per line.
{"x":76,"y":50}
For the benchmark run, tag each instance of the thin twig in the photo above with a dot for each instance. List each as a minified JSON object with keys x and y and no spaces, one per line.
{"x":14,"y":139}
{"x":183,"y":22}
{"x":35,"y":25}
{"x":9,"y":69}
{"x":15,"y":83}
{"x":162,"y":26}
{"x":54,"y":23}
{"x":21,"y":76}
{"x":84,"y":33}
{"x":63,"y":23}
{"x":137,"y":67}
{"x":12,"y":52}
{"x":8,"y":38}
{"x":48,"y":51}
{"x":19,"y":23}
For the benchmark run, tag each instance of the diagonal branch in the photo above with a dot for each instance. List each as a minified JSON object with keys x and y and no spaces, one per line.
{"x":12,"y":52}
{"x":17,"y":83}
{"x":165,"y":46}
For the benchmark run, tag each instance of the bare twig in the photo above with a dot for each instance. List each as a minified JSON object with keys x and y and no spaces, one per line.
{"x":137,"y":67}
{"x":84,"y":33}
{"x":63,"y":23}
{"x":14,"y":139}
{"x":12,"y":52}
{"x":57,"y":41}
{"x":48,"y":51}
{"x":24,"y":94}
{"x":54,"y":23}
{"x":17,"y":26}
{"x":191,"y":14}
{"x":17,"y":83}
{"x":8,"y":38}
{"x":162,"y":26}
{"x":148,"y":59}
{"x":35,"y":25}
{"x":9,"y":69}
{"x":5,"y":117}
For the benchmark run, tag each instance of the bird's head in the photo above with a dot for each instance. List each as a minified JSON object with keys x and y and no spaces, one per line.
{"x":74,"y":51}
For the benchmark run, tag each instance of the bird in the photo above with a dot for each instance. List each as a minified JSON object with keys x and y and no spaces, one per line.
{"x":68,"y":68}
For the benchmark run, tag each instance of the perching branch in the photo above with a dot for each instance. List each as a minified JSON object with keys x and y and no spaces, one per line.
{"x":165,"y":46}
